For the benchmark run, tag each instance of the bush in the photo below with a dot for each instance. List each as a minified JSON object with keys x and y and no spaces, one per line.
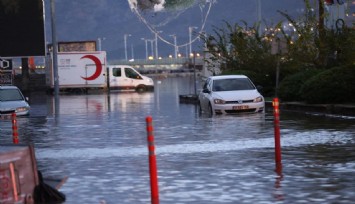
{"x":336,"y":85}
{"x":290,"y":86}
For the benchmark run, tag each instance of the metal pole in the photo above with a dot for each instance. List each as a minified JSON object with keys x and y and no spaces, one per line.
{"x":190,"y":39}
{"x":195,"y":73}
{"x":175,"y":46}
{"x":125,"y":44}
{"x":132,"y":51}
{"x":55,"y":49}
{"x":156,"y":45}
{"x":152,"y":47}
{"x":99,"y":42}
{"x":146,"y":47}
{"x":190,"y":31}
{"x":258,"y":11}
{"x":55,"y":60}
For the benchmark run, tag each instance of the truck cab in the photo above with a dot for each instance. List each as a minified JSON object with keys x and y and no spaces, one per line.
{"x":124,"y":77}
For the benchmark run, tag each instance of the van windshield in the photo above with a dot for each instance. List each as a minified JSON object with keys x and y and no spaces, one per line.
{"x":130,"y":73}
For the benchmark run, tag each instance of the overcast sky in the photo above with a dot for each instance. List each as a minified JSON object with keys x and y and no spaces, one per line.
{"x":109,"y":20}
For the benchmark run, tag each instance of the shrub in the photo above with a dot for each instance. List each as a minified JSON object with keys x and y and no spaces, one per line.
{"x":290,"y":86}
{"x":336,"y":85}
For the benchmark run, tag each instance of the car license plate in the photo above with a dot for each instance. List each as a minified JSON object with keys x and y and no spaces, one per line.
{"x":240,"y":107}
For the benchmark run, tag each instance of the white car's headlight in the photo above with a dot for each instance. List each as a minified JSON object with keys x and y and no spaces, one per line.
{"x":22,"y":109}
{"x":258,"y":99}
{"x":218,"y":101}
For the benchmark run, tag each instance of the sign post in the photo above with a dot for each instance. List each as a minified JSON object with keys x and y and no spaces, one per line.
{"x":5,"y":72}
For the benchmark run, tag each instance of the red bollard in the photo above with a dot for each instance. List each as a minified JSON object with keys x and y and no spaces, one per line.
{"x":275,"y":104}
{"x":14,"y":129}
{"x":152,"y":162}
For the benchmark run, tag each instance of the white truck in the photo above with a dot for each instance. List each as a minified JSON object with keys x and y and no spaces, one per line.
{"x":81,"y":71}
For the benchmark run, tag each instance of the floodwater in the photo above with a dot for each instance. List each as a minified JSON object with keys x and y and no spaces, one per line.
{"x":100,"y":142}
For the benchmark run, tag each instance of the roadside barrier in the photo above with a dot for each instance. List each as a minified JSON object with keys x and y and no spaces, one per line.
{"x":152,"y":162}
{"x":275,"y":104}
{"x":14,"y":129}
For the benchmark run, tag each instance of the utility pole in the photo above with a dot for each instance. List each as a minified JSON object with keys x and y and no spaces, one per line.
{"x":54,"y":50}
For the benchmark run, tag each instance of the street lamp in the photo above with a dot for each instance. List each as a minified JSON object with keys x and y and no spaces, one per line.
{"x":175,"y":47}
{"x":156,"y":43}
{"x":125,"y":44}
{"x":258,"y":11}
{"x":190,"y":33}
{"x":146,"y":47}
{"x":99,"y":40}
{"x":152,"y":47}
{"x":132,"y":51}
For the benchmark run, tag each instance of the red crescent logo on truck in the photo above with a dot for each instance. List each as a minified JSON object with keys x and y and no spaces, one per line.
{"x":98,"y":67}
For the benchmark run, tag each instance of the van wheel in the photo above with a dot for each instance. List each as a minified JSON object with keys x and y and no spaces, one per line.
{"x":141,"y":88}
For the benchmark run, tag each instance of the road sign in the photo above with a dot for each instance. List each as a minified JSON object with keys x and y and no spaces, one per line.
{"x":4,"y":64}
{"x":5,"y":77}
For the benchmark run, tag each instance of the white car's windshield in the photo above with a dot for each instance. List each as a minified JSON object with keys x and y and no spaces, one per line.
{"x":10,"y":95}
{"x":232,"y":84}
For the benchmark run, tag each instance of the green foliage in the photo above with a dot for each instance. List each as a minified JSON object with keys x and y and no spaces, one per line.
{"x":290,"y":86}
{"x":336,"y":85}
{"x":341,"y":47}
{"x":239,"y":48}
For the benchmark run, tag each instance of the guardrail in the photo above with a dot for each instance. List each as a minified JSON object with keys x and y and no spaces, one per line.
{"x":164,"y":61}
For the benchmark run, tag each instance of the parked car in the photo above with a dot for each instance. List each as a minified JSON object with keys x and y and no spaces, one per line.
{"x":12,"y":100}
{"x":227,"y":94}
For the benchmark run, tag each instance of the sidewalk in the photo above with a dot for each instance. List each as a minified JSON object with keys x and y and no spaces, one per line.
{"x":336,"y":109}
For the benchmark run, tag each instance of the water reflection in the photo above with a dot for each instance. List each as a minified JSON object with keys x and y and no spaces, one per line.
{"x":99,"y":141}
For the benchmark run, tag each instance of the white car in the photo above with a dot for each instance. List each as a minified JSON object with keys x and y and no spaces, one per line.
{"x":12,"y":100}
{"x":227,"y":94}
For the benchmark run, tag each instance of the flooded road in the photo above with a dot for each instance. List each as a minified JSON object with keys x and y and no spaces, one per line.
{"x":99,"y":142}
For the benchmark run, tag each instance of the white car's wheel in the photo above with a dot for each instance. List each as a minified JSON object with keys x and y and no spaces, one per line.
{"x":210,"y":110}
{"x":199,"y":107}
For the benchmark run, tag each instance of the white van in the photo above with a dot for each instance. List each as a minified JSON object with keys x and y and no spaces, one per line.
{"x":124,"y":77}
